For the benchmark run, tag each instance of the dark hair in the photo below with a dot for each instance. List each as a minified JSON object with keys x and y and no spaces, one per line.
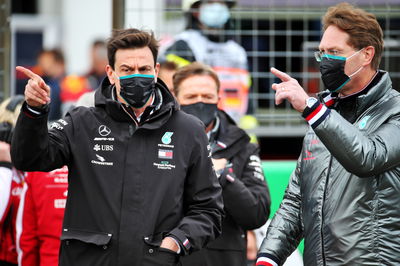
{"x":98,"y":42}
{"x":169,"y":65}
{"x":194,"y":69}
{"x":131,"y":38}
{"x":56,"y":53}
{"x":362,"y":27}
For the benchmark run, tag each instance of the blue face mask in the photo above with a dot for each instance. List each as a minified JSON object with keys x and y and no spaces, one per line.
{"x":214,"y":15}
{"x":136,"y":89}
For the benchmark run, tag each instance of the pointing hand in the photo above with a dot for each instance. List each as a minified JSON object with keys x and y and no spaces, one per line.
{"x":289,"y":89}
{"x":37,"y":92}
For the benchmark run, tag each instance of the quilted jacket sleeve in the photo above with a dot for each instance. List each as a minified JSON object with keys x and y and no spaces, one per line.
{"x":286,"y":230}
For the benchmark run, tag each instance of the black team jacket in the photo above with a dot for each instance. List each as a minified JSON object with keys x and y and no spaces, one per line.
{"x":246,"y":195}
{"x":130,"y":183}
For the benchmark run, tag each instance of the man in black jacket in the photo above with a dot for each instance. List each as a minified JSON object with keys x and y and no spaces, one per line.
{"x":236,"y":162}
{"x":141,"y":185}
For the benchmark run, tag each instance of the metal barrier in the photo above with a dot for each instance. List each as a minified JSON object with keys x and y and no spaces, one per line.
{"x":5,"y":7}
{"x":283,"y":34}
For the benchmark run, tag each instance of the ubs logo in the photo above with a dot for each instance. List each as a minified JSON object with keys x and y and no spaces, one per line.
{"x":104,"y":131}
{"x":98,"y":147}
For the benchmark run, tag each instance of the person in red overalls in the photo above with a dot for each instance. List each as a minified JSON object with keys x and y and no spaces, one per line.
{"x":11,"y":181}
{"x":40,"y":216}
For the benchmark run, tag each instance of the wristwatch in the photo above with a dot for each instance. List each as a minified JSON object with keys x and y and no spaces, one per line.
{"x":310,"y":101}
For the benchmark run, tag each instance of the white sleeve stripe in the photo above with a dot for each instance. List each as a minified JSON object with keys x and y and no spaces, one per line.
{"x":266,"y":260}
{"x":33,"y":111}
{"x":318,"y":115}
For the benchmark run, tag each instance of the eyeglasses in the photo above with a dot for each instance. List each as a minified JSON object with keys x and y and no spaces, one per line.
{"x":319,"y":54}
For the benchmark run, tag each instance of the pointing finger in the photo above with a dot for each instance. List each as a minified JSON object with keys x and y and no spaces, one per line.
{"x":28,"y":73}
{"x":34,"y":77}
{"x":281,"y":75}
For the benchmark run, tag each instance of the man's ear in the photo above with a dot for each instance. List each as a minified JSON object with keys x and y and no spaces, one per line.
{"x":110,"y":75}
{"x":157,"y":70}
{"x":368,"y":54}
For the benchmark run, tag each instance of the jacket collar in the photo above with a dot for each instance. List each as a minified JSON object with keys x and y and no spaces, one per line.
{"x":229,"y":138}
{"x":362,"y":100}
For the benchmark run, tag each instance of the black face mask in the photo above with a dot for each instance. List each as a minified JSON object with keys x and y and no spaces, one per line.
{"x":206,"y":112}
{"x":332,"y":71}
{"x":136,"y":89}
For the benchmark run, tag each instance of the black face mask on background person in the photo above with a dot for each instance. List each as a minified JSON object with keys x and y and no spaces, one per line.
{"x":332,"y":71}
{"x":136,"y":89}
{"x":206,"y":112}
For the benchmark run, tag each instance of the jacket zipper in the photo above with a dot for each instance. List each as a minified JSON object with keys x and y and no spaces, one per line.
{"x":322,"y":210}
{"x":134,"y":121}
{"x":131,"y":131}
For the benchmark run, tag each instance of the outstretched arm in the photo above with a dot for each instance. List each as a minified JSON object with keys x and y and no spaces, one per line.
{"x":286,"y":228}
{"x":33,"y":147}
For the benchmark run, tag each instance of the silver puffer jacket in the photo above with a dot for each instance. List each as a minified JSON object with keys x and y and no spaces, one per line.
{"x":344,"y":195}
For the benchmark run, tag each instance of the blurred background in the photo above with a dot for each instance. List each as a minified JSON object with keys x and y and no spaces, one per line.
{"x":279,"y":33}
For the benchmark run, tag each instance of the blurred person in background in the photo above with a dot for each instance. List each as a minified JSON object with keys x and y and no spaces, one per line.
{"x":141,"y":187}
{"x":86,"y":99}
{"x":98,"y":58}
{"x":206,"y":40}
{"x":343,"y":196}
{"x":51,"y":65}
{"x":74,"y":86}
{"x":167,"y":71}
{"x":236,"y":162}
{"x":11,"y":182}
{"x":40,"y":216}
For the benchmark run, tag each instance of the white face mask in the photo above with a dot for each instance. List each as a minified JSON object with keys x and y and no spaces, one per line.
{"x":214,"y":15}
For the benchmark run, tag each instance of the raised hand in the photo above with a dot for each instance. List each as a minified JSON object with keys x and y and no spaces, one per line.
{"x":289,"y":89}
{"x":37,"y":92}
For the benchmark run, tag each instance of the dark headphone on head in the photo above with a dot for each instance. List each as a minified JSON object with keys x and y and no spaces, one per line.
{"x":6,"y":128}
{"x":17,"y":99}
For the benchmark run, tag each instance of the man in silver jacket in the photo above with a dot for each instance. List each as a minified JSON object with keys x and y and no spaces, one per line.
{"x":344,"y":196}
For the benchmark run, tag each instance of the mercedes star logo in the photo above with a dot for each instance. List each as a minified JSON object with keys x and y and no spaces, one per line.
{"x":104,"y":131}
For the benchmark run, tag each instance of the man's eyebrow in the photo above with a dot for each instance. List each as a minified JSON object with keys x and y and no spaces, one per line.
{"x":144,"y":66}
{"x":330,"y":48}
{"x":127,"y":66}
